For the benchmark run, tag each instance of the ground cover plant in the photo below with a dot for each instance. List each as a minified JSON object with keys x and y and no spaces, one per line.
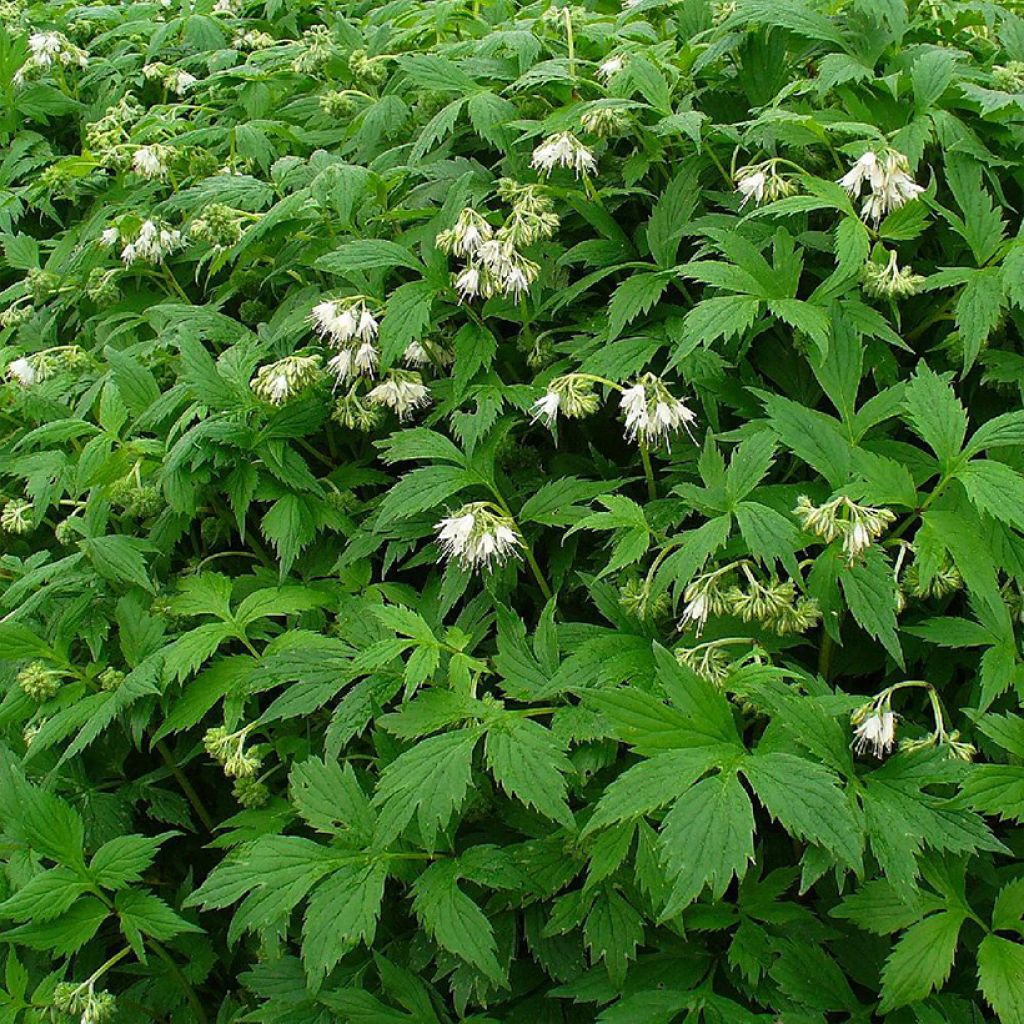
{"x":511,"y":512}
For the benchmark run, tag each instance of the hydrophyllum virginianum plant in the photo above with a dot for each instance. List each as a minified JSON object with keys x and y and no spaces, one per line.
{"x":511,"y":512}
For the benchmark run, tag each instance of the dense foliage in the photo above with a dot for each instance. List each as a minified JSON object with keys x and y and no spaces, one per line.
{"x":512,"y":512}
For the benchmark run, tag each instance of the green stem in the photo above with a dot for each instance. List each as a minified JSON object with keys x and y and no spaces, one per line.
{"x":652,"y":487}
{"x":186,"y":786}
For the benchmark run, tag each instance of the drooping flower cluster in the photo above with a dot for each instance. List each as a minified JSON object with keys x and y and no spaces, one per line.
{"x":888,"y":181}
{"x":175,"y":80}
{"x":478,"y":536}
{"x":90,"y":1006}
{"x":26,"y":371}
{"x":762,"y":183}
{"x":228,"y":749}
{"x":874,"y":726}
{"x":152,"y":161}
{"x":857,"y":525}
{"x":151,"y":243}
{"x":219,"y":225}
{"x":890,"y":281}
{"x":350,"y":327}
{"x":734,"y":589}
{"x":711,"y":661}
{"x":652,"y":413}
{"x":563,"y":150}
{"x":571,"y":395}
{"x":494,"y":263}
{"x":317,"y":48}
{"x":402,"y":391}
{"x":47,"y":49}
{"x":277,"y":382}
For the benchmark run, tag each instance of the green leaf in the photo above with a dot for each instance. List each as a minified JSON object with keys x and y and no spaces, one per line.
{"x":921,"y":961}
{"x":636,"y":295}
{"x":528,"y":763}
{"x":870,"y":591}
{"x":365,"y":254}
{"x":422,"y":489}
{"x":453,"y":920}
{"x":935,"y":414}
{"x":342,"y":912}
{"x":430,"y":781}
{"x":807,"y":800}
{"x":406,"y":319}
{"x":1001,"y":976}
{"x":707,"y":838}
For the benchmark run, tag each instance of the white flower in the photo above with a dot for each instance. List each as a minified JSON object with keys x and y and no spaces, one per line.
{"x":875,"y":730}
{"x":366,"y":358}
{"x":45,"y":46}
{"x":751,"y":186}
{"x":367,"y":328}
{"x":180,"y":82}
{"x":652,"y":413}
{"x":224,"y":7}
{"x":341,"y":365}
{"x":23,"y":372}
{"x":563,"y":150}
{"x":888,"y":180}
{"x":150,"y":161}
{"x":476,"y":536}
{"x":546,"y":408}
{"x":110,"y":236}
{"x":609,"y":68}
{"x":152,"y":243}
{"x":403,"y":393}
{"x":467,"y":283}
{"x":867,"y":170}
{"x":695,"y":612}
{"x":415,"y":354}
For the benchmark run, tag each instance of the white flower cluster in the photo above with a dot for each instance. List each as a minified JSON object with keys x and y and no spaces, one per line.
{"x":494,"y":263}
{"x":563,"y":150}
{"x":152,"y":161}
{"x":874,"y":727}
{"x":762,"y":182}
{"x":571,"y":395}
{"x":277,"y":382}
{"x":49,"y":48}
{"x":151,"y":243}
{"x":888,"y":181}
{"x":174,"y":80}
{"x":479,"y":536}
{"x":653,"y":414}
{"x":348,"y":326}
{"x":403,"y":392}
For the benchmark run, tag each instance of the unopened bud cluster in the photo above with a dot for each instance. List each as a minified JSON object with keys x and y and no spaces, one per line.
{"x":890,"y":280}
{"x":228,"y":749}
{"x":734,"y":589}
{"x":39,"y":682}
{"x":857,"y":525}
